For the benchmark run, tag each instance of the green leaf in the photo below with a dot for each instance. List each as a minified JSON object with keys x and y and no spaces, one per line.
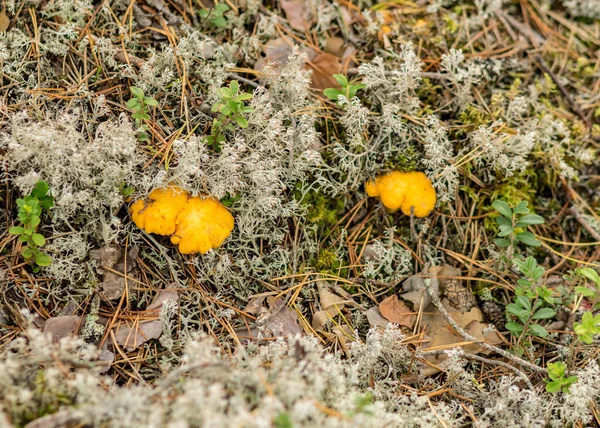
{"x":528,"y":238}
{"x":42,"y":259}
{"x":47,"y":202}
{"x":521,"y":208}
{"x":221,"y":7}
{"x":590,"y":274}
{"x":225,"y":93}
{"x":537,"y":330}
{"x":584,"y":291}
{"x":514,"y":328}
{"x":40,"y":189}
{"x":219,"y":22}
{"x":234,"y":86}
{"x":137,"y":92}
{"x":332,"y":93}
{"x":138,"y":115}
{"x":503,"y":221}
{"x":16,"y":230}
{"x":283,"y":420}
{"x":503,"y":208}
{"x":516,"y":310}
{"x":244,"y":96}
{"x":501,"y":242}
{"x":38,"y":239}
{"x":341,"y":79}
{"x":241,"y":121}
{"x":133,"y":104}
{"x":553,"y":387}
{"x":150,"y":102}
{"x":544,"y":314}
{"x":505,"y":231}
{"x":530,"y":219}
{"x":27,"y":252}
{"x":524,"y":302}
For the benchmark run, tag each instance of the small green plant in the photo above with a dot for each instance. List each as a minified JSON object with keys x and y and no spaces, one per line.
{"x":529,"y":302}
{"x":215,"y":15}
{"x":30,"y":210}
{"x":513,"y":221}
{"x":231,"y":110}
{"x":348,"y":89}
{"x":587,"y":328}
{"x":139,"y":104}
{"x":558,"y":380}
{"x":592,"y":294}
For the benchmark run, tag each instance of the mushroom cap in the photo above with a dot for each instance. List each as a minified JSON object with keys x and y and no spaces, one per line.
{"x":403,"y":190}
{"x":202,"y":224}
{"x":158,"y":213}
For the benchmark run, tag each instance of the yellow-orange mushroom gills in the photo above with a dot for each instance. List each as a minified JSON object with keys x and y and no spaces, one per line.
{"x":158,"y":213}
{"x":403,"y":190}
{"x":202,"y":224}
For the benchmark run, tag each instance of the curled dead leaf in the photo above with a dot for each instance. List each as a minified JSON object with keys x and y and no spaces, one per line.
{"x":62,"y":326}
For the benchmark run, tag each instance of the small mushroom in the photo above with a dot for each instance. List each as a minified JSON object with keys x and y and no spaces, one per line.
{"x":202,"y":224}
{"x":159,"y":213}
{"x":404,"y":190}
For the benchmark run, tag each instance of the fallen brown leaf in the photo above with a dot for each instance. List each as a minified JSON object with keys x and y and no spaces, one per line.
{"x":131,"y":335}
{"x":298,"y":14}
{"x":375,"y":318}
{"x":395,"y":311}
{"x":324,"y":66}
{"x":62,"y":326}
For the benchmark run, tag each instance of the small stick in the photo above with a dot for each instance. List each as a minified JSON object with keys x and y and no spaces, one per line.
{"x":582,"y":221}
{"x":488,"y":361}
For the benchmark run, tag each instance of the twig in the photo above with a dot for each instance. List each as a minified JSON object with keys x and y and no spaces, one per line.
{"x":582,"y":221}
{"x":487,"y":361}
{"x":438,"y":304}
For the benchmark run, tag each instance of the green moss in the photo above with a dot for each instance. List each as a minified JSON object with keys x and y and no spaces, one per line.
{"x":328,"y":261}
{"x":322,"y":209}
{"x":404,"y":162}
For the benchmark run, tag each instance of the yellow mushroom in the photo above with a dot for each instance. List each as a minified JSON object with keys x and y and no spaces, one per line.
{"x":403,"y":190}
{"x":202,"y":224}
{"x":158,"y":213}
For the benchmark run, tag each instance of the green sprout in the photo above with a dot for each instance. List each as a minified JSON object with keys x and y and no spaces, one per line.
{"x":348,"y":89}
{"x":232,"y":110}
{"x":30,"y":210}
{"x":529,"y":302}
{"x":587,"y":328}
{"x":215,"y":15}
{"x":513,"y":221}
{"x":139,"y":104}
{"x":558,"y":380}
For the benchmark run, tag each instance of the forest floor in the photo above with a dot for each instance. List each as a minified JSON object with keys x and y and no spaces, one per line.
{"x":413,"y":187}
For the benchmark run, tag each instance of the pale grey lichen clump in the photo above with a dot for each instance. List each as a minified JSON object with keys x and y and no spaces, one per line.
{"x":294,"y":381}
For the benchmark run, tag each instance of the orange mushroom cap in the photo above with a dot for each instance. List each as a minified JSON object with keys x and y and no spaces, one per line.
{"x":202,"y":224}
{"x":404,"y":190}
{"x":158,"y":213}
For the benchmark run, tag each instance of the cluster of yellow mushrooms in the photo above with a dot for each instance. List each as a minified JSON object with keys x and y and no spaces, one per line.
{"x":198,"y":225}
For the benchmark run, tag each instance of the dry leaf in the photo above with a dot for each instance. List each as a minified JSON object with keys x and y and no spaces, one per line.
{"x":161,"y":297}
{"x":323,"y":67}
{"x":298,"y":14}
{"x":375,"y":318}
{"x":4,"y":21}
{"x":395,"y":311}
{"x":132,"y":335}
{"x":345,"y":335}
{"x":329,"y":299}
{"x":62,"y":326}
{"x":416,"y":291}
{"x":255,"y":305}
{"x":111,"y":259}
